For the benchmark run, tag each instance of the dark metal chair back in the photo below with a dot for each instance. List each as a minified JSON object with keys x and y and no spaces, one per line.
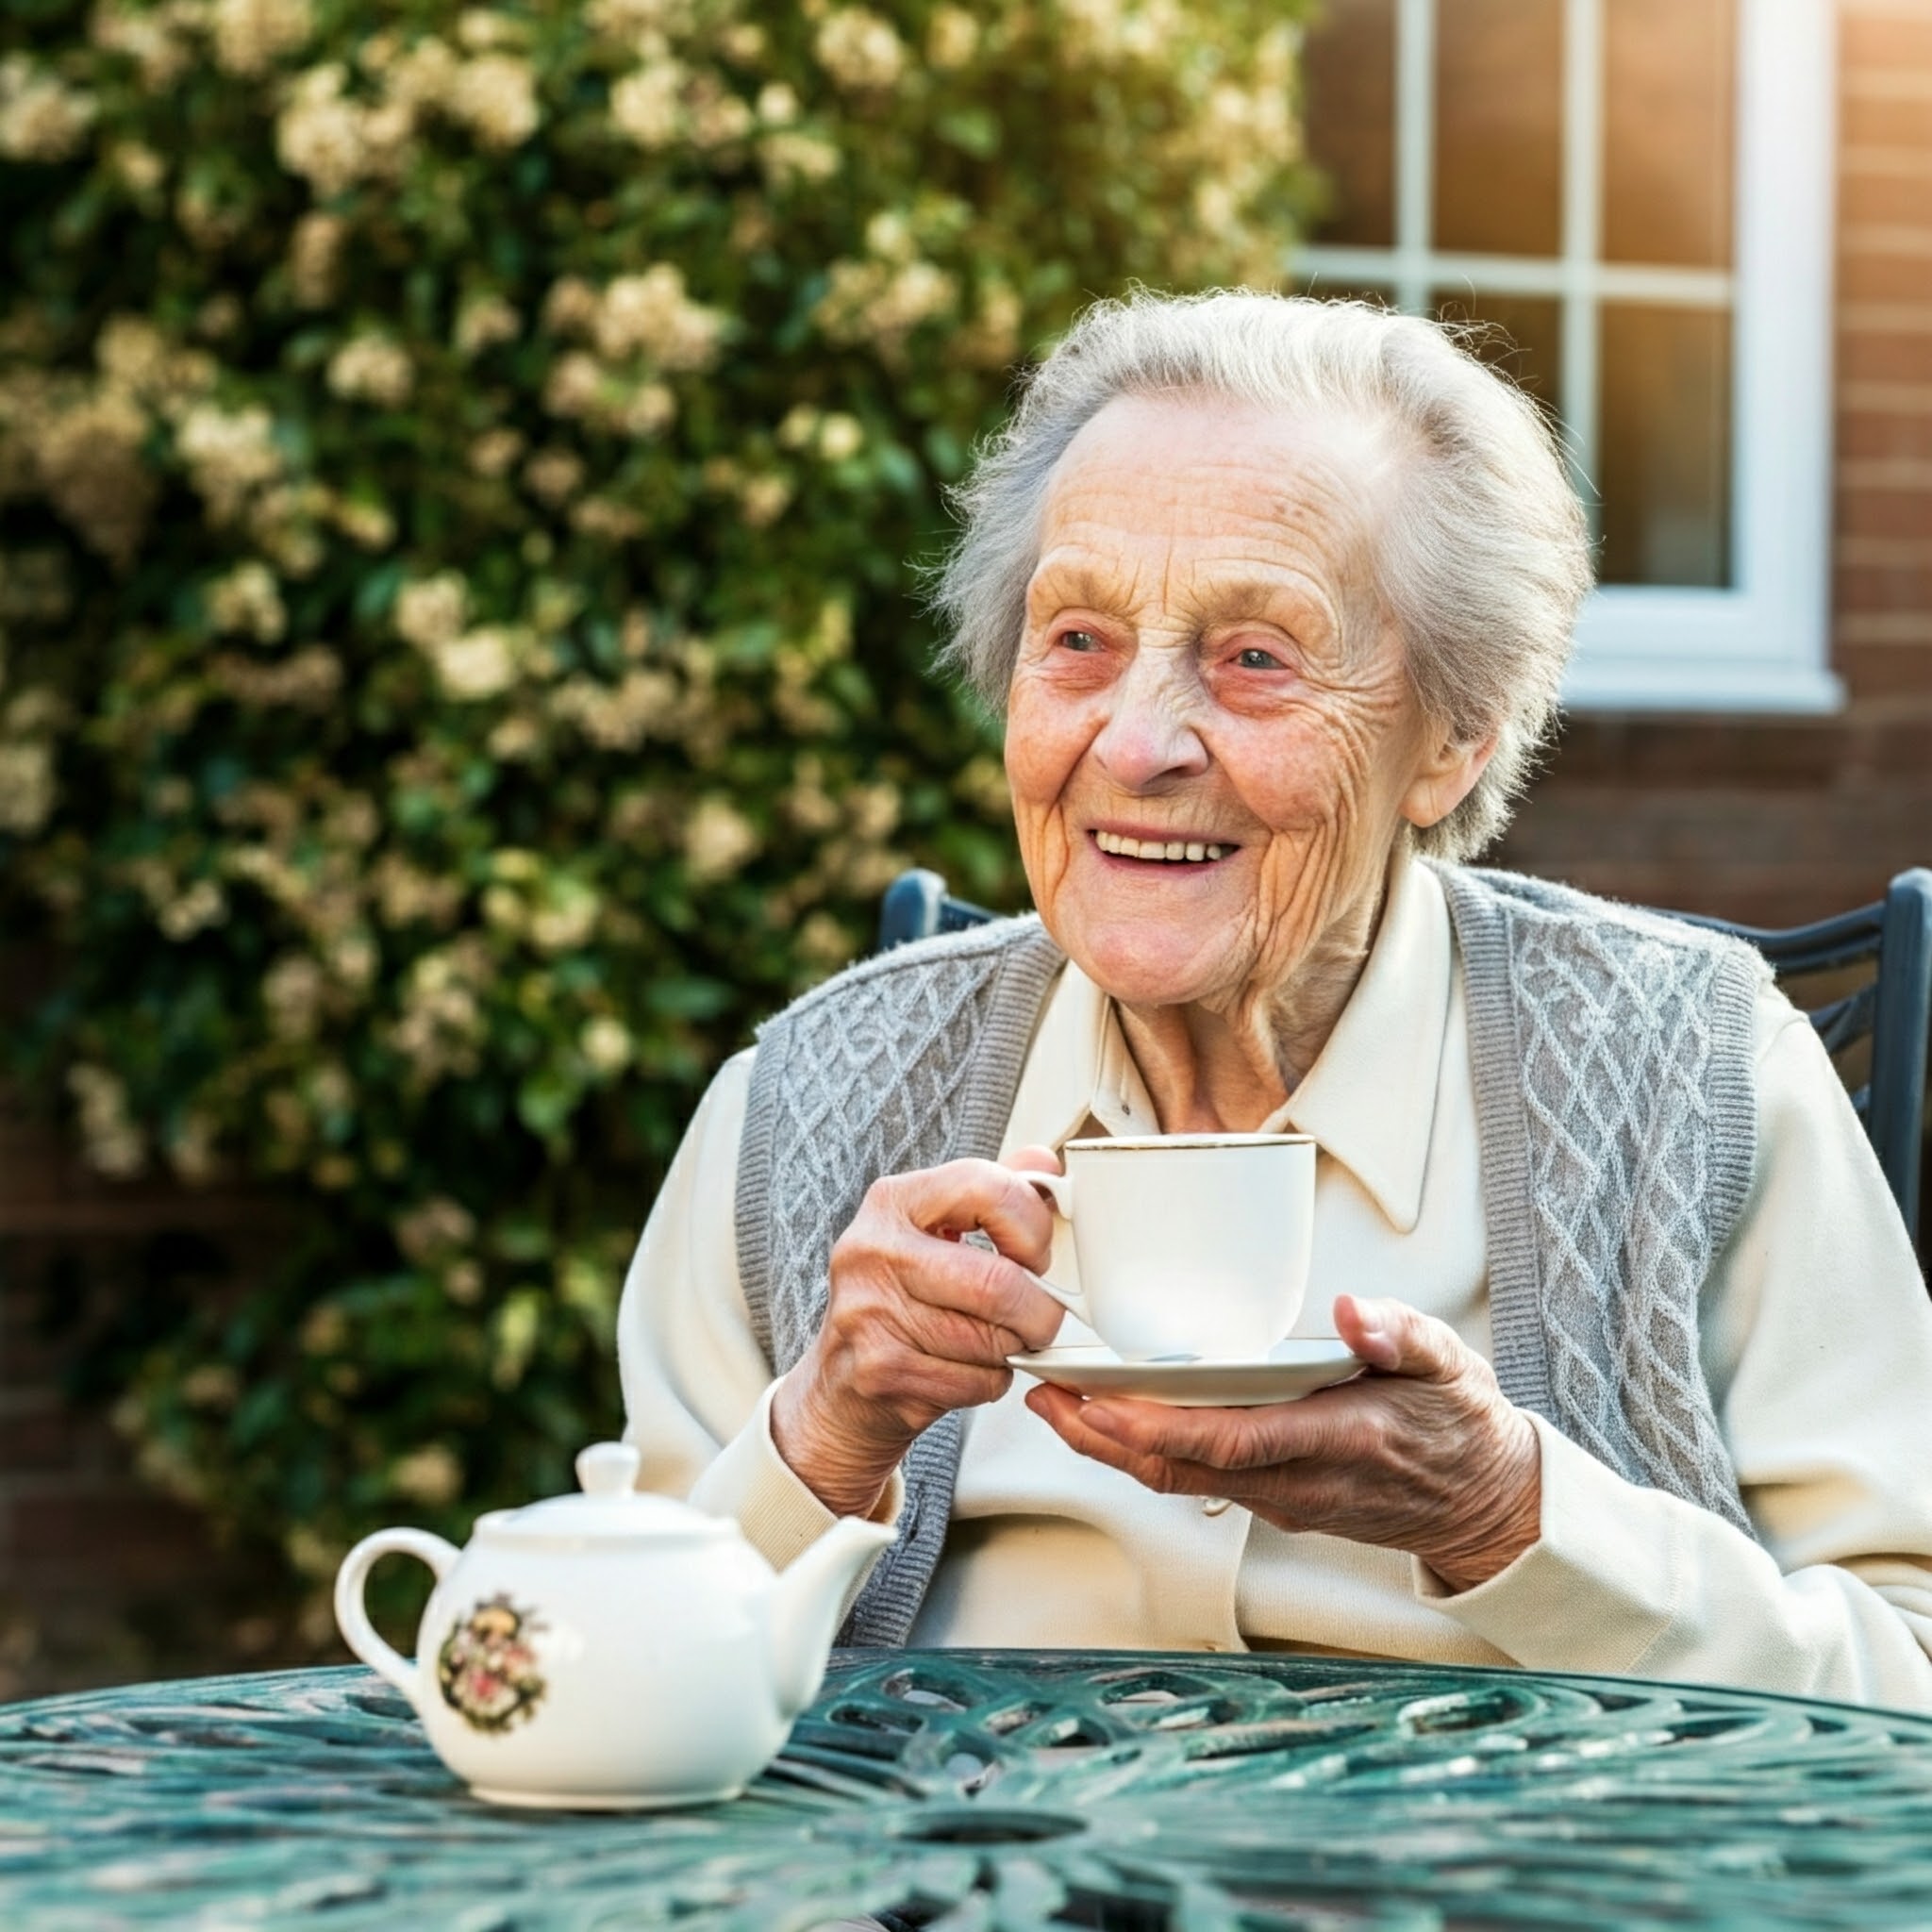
{"x":917,"y":906}
{"x":1894,"y":1008}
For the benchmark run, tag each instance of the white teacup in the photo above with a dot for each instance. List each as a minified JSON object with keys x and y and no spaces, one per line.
{"x":1188,"y":1244}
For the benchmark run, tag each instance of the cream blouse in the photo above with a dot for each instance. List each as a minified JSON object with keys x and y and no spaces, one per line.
{"x":1817,"y":1347}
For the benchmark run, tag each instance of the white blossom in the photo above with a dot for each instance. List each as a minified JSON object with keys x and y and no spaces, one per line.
{"x":251,"y":35}
{"x":859,"y":50}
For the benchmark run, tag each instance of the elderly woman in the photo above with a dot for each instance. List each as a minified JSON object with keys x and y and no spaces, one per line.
{"x":1275,"y":596}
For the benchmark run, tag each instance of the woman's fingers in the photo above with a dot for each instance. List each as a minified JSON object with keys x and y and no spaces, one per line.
{"x":966,"y":1195}
{"x":926,"y":1279}
{"x":917,"y":1322}
{"x":900,"y":1242}
{"x":1398,"y":1340}
{"x":1425,"y":1455}
{"x":1034,"y":1158}
{"x":1224,"y":1440}
{"x":1068,"y":1416}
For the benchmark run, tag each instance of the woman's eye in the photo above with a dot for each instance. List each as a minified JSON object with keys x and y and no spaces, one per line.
{"x":1256,"y":658}
{"x":1079,"y":640}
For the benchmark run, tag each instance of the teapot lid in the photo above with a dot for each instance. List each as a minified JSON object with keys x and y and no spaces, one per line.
{"x":609,"y":1506}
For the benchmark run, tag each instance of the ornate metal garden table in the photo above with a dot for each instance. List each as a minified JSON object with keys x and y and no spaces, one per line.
{"x":989,"y":1791}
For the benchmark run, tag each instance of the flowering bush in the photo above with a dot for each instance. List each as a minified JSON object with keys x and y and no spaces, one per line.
{"x":459,"y":469}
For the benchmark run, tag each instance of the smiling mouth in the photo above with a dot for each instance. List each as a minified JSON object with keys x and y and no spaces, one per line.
{"x":1163,"y":852}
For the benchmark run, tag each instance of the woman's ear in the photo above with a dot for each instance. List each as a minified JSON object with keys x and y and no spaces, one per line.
{"x":1445,"y":777}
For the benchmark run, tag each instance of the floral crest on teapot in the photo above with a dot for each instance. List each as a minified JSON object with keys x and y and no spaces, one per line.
{"x":487,"y":1667}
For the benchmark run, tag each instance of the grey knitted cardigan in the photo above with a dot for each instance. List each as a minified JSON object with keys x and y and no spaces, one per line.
{"x":1616,"y":1112}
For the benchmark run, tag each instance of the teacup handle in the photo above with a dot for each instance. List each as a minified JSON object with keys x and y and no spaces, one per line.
{"x":1058,"y":1191}
{"x":352,"y":1615}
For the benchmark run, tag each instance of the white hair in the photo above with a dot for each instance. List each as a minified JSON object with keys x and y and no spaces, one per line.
{"x":1482,"y":554}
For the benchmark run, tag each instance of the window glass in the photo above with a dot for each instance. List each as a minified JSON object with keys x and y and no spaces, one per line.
{"x":1523,"y":338}
{"x":1348,"y":110}
{"x":1638,"y":375}
{"x":1664,"y":445}
{"x":1499,"y":126}
{"x":1648,"y":181}
{"x":1666,"y":131}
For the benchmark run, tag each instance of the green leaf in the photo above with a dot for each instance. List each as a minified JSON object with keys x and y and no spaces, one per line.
{"x":686,"y":999}
{"x":546,"y":1100}
{"x":897,"y":467}
{"x":943,"y":452}
{"x":974,"y":129}
{"x":377,"y":593}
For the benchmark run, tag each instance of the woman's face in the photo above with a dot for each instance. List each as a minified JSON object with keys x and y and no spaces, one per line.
{"x":1207,"y":672}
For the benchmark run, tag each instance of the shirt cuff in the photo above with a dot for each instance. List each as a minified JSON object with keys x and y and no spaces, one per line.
{"x":749,"y":1481}
{"x":1599,"y":1586}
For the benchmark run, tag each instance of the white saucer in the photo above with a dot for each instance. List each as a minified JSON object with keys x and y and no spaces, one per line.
{"x":1296,"y":1367}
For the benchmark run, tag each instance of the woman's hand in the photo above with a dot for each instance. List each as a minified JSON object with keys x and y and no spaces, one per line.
{"x":917,"y":1322}
{"x":1422,"y":1453}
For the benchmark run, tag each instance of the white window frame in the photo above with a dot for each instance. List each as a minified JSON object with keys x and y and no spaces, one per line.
{"x":1763,"y":644}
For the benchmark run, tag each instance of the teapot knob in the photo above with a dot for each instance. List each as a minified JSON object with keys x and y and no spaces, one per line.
{"x":608,"y":1469}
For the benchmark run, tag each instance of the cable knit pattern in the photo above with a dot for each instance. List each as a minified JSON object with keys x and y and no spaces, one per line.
{"x":904,"y":1062}
{"x":1617,"y":1141}
{"x":1616,"y":1110}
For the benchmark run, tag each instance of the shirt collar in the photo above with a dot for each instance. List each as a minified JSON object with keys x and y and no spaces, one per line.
{"x":1078,"y":1074}
{"x":1368,"y":1100}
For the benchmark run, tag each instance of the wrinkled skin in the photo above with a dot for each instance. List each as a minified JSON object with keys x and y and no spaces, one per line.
{"x":1202,"y":660}
{"x":1205,"y":660}
{"x":917,"y":1322}
{"x":1423,"y":1453}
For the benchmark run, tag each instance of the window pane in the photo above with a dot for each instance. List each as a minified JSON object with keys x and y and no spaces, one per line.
{"x":1499,"y":137}
{"x":1524,"y":339}
{"x":1348,"y":114}
{"x":1668,"y":91}
{"x":1664,"y":445}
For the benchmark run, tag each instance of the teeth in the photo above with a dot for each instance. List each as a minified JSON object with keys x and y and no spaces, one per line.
{"x":1175,"y":850}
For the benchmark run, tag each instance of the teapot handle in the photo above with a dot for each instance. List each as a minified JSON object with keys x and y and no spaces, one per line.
{"x":352,"y":1616}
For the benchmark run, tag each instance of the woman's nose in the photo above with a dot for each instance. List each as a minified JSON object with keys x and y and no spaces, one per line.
{"x":1149,"y":737}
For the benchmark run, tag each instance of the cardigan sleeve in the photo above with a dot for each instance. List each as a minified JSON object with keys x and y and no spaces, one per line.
{"x":696,"y":1385}
{"x":1818,"y":1347}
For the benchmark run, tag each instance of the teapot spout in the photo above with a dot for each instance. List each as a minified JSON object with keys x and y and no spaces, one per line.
{"x":808,"y":1603}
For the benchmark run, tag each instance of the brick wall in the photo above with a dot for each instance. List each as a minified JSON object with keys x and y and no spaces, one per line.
{"x":1884,"y":558}
{"x":1779,"y":821}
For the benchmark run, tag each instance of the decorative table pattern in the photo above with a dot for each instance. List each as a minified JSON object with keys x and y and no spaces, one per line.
{"x":992,"y":1791}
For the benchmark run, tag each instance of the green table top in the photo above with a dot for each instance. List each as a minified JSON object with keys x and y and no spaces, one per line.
{"x":989,"y":1791}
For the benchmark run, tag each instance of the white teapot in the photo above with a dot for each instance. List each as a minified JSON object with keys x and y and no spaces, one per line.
{"x":613,"y":1650}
